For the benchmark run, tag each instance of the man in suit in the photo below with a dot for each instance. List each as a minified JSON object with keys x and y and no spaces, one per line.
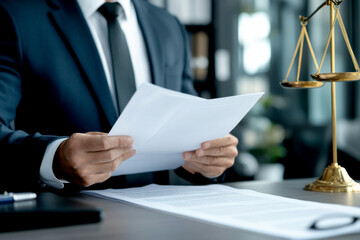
{"x":57,"y":93}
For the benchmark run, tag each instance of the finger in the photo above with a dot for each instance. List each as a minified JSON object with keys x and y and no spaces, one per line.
{"x":205,"y":170}
{"x":227,"y":151}
{"x":100,"y":143}
{"x":190,"y":167}
{"x":105,"y":156}
{"x":225,"y":141}
{"x":101,"y":168}
{"x":187,"y":156}
{"x":113,"y":165}
{"x":105,"y":167}
{"x":95,"y":142}
{"x":212,"y":161}
{"x":187,"y":167}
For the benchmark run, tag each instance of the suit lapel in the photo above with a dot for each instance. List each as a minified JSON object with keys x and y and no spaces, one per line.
{"x":68,"y":19}
{"x":152,"y":41}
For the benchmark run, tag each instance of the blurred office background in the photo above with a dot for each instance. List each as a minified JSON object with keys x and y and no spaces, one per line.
{"x":245,"y":46}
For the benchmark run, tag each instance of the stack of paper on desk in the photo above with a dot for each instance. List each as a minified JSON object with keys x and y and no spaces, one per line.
{"x":165,"y":123}
{"x":244,"y":209}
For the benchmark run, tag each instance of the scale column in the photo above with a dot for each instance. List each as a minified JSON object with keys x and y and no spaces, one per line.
{"x":333,"y":89}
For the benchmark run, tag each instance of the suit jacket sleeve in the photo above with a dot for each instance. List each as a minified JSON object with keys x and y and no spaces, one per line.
{"x":21,"y":152}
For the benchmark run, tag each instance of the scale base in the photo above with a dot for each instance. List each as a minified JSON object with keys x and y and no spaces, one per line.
{"x":334,"y":179}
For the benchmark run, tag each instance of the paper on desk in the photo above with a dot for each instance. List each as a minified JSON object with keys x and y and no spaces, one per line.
{"x":243,"y":209}
{"x":165,"y":123}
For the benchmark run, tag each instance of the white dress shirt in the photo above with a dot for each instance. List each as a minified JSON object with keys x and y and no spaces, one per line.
{"x":138,"y":54}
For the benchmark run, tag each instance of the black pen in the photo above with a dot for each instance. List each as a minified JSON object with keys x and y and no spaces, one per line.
{"x":14,"y":197}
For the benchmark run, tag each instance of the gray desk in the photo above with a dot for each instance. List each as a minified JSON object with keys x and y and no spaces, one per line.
{"x":128,"y":222}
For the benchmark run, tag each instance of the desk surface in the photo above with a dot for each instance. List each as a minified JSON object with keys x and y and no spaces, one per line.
{"x":129,"y":222}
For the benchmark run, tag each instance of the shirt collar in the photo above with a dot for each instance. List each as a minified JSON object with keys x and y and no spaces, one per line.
{"x":89,"y":7}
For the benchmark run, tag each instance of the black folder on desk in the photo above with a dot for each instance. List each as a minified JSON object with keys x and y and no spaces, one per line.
{"x":48,"y":210}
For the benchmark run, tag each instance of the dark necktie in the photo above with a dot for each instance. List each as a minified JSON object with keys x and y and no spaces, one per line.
{"x":120,"y":56}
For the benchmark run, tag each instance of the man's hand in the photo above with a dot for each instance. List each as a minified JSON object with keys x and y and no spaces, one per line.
{"x":86,"y":159}
{"x":213,"y":158}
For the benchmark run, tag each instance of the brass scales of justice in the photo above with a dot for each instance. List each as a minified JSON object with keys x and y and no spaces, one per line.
{"x":334,"y":178}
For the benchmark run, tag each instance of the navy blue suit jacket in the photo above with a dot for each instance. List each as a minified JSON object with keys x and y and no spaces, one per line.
{"x":52,"y":81}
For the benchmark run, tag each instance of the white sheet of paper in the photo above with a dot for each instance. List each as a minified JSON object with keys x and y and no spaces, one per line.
{"x":165,"y":123}
{"x":243,"y":209}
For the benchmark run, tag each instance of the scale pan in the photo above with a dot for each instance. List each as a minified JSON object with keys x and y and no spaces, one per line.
{"x":302,"y":84}
{"x":337,"y":77}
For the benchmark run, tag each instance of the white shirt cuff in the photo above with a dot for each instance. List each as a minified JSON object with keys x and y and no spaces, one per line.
{"x":46,"y":171}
